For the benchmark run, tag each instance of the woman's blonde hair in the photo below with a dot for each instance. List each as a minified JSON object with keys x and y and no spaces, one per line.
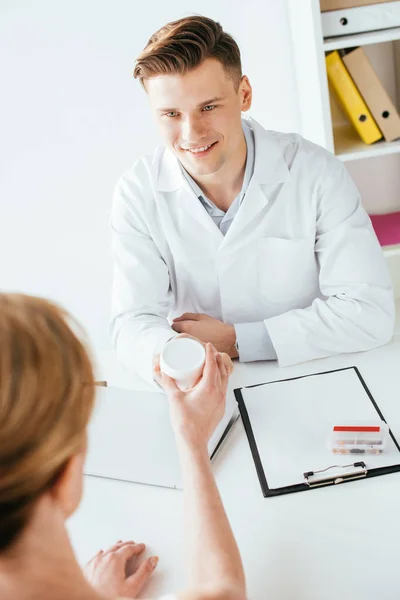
{"x":46,"y":398}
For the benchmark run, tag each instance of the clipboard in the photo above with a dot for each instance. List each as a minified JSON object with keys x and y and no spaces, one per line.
{"x":277,"y":411}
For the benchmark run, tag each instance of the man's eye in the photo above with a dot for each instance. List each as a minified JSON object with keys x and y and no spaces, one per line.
{"x":208,"y":108}
{"x":171,"y":114}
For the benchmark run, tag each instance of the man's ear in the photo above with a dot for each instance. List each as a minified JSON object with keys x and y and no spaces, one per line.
{"x":67,"y":490}
{"x":245,"y":93}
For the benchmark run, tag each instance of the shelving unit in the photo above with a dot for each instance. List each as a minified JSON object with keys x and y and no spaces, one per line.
{"x":348,"y":145}
{"x":375,"y":168}
{"x":390,"y":251}
{"x":361,"y":39}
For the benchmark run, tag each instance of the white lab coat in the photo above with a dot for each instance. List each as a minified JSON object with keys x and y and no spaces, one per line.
{"x":300,"y":255}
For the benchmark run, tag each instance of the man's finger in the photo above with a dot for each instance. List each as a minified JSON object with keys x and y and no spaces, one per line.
{"x":191,"y":337}
{"x":136,"y":581}
{"x":188,"y":317}
{"x":179,"y":327}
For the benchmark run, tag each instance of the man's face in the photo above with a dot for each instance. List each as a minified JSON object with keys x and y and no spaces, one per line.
{"x":199,"y":115}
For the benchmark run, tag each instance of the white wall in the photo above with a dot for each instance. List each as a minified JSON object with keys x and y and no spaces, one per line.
{"x":72,"y":120}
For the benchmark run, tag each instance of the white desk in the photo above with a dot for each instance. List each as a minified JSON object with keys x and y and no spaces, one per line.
{"x":337,"y":542}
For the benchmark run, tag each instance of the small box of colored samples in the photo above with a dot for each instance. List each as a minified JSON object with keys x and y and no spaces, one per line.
{"x":359,"y":437}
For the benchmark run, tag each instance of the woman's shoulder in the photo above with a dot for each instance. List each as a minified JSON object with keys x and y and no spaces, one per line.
{"x":168,"y":597}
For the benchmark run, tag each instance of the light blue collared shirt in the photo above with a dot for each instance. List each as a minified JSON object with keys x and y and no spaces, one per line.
{"x":253,"y":339}
{"x":223,"y":219}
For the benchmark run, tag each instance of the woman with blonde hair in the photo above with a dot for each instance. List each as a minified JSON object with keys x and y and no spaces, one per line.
{"x":46,"y":398}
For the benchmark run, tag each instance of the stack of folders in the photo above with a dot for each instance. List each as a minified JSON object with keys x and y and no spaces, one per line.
{"x":330,"y":5}
{"x":362,"y":95}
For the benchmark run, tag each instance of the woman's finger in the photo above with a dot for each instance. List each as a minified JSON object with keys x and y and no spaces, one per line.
{"x":115,"y":546}
{"x":220,"y":373}
{"x":128,"y":550}
{"x":228,"y":362}
{"x":136,"y":581}
{"x":221,"y":364}
{"x":98,"y":553}
{"x":226,"y":372}
{"x":156,"y":369}
{"x":168,"y":384}
{"x":210,"y":366}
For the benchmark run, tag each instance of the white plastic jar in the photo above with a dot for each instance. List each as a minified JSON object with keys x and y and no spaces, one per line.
{"x":183,"y":359}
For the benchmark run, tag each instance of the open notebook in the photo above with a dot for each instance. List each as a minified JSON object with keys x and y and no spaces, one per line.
{"x":131,"y":439}
{"x":287,"y":423}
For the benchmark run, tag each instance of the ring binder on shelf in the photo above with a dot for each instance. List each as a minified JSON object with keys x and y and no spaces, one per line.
{"x":286,"y":423}
{"x":359,"y":470}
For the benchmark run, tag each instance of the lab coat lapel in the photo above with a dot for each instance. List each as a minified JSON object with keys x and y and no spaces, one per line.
{"x":270,"y":173}
{"x":181,"y":196}
{"x":249,"y":211}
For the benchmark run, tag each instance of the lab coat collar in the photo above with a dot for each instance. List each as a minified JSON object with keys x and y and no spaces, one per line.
{"x":169,"y":176}
{"x":269,"y":168}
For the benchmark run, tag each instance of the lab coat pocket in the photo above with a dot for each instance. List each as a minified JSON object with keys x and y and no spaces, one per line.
{"x":287,"y":270}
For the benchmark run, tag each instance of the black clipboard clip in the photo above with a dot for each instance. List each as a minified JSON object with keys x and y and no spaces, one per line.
{"x":358,"y":471}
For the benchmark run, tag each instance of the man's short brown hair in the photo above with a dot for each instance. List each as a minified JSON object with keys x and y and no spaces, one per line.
{"x":183,"y":45}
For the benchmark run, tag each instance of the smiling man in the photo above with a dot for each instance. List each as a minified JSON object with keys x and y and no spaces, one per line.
{"x":253,"y":240}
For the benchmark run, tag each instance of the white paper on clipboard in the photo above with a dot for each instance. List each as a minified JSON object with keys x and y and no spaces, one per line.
{"x":292,"y":419}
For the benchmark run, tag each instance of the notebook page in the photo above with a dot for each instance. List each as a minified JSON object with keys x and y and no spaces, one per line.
{"x":131,"y":438}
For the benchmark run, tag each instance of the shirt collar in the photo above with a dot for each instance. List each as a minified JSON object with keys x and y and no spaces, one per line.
{"x":248,"y":173}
